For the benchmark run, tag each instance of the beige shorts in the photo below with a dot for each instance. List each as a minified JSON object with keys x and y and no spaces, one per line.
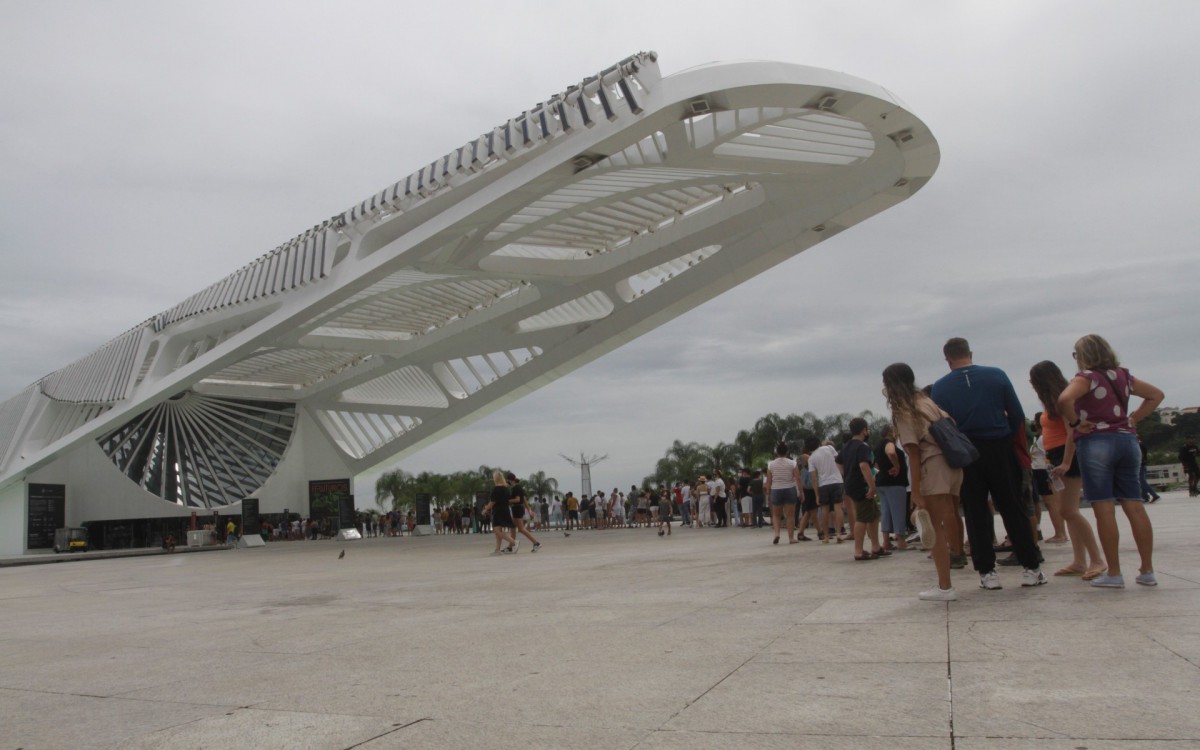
{"x":937,"y":478}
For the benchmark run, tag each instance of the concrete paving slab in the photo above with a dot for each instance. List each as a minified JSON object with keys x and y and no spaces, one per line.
{"x":747,"y":740}
{"x":855,"y":643}
{"x":1027,"y":743}
{"x":1062,"y":641}
{"x":468,"y":733}
{"x":711,"y":639}
{"x":265,"y":730}
{"x":907,"y":700}
{"x":35,"y":719}
{"x":1117,"y":698}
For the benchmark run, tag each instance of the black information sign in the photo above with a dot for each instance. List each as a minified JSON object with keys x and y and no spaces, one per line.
{"x":346,"y":516}
{"x":47,"y":511}
{"x":424,"y":500}
{"x":251,"y":521}
{"x":325,"y":498}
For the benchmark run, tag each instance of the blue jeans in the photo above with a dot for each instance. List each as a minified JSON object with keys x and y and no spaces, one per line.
{"x":892,"y":500}
{"x":1109,"y":463}
{"x":1148,"y":492}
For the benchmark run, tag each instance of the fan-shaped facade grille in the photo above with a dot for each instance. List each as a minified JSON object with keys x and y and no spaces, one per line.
{"x":202,"y":451}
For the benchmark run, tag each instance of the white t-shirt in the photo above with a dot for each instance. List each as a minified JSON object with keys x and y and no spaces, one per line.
{"x":824,"y":462}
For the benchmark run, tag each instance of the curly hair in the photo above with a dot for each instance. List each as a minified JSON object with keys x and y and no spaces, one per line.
{"x":1092,"y":352}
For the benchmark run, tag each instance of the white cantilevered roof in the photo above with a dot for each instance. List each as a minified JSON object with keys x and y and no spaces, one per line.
{"x":571,"y":228}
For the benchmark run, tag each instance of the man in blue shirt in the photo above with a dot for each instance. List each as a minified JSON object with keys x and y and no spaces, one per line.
{"x":984,"y":404}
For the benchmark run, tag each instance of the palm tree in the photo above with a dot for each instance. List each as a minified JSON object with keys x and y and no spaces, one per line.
{"x":464,"y":485}
{"x":540,"y":484}
{"x":744,"y":449}
{"x":394,"y":489}
{"x":723,"y":457}
{"x":682,"y":462}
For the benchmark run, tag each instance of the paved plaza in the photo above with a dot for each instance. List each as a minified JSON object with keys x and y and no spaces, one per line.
{"x":618,"y":639}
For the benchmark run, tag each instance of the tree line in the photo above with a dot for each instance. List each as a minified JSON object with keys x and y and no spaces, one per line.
{"x":398,"y":489}
{"x":1163,"y":441}
{"x":753,"y":447}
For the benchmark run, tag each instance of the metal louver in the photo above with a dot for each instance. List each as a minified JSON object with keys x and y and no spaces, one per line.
{"x":202,"y":451}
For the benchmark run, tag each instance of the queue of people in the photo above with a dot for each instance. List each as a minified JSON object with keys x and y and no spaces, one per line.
{"x":1088,"y":448}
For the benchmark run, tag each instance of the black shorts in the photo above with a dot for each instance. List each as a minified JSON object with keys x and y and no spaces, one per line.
{"x":810,"y":500}
{"x":1041,"y":482}
{"x":518,"y":511}
{"x":504,"y":521}
{"x":1054,"y":457}
{"x":573,"y":515}
{"x":831,"y":494}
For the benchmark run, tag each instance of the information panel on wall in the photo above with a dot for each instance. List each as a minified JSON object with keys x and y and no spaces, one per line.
{"x":47,"y":511}
{"x":251,"y":521}
{"x":325,"y":497}
{"x":424,"y":500}
{"x":346,"y":515}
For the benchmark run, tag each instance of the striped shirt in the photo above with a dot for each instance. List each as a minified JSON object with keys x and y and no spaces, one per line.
{"x":782,"y":471}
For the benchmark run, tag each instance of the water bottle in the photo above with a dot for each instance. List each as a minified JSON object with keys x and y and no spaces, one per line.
{"x":1056,"y":482}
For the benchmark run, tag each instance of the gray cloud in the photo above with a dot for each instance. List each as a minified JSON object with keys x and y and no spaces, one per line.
{"x":147,"y":150}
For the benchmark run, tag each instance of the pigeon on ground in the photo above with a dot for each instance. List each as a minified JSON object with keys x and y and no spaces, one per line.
{"x":566,"y":533}
{"x":343,"y":554}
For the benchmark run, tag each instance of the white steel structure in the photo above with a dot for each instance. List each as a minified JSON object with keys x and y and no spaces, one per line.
{"x":576,"y":226}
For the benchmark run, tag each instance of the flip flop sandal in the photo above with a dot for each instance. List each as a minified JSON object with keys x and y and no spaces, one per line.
{"x":864,"y":557}
{"x":1069,"y":572}
{"x":1094,"y":574}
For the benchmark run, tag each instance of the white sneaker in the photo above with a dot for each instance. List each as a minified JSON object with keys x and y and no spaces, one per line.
{"x":516,"y":547}
{"x":925,"y":529}
{"x":938,"y":594}
{"x":1033,"y":577}
{"x":990,"y":581}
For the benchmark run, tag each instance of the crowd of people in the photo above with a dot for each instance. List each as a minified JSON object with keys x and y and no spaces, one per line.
{"x":1086,"y":445}
{"x":956,"y":454}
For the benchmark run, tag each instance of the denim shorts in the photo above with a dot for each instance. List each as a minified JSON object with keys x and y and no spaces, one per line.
{"x":783,"y":496}
{"x":1109,"y":462}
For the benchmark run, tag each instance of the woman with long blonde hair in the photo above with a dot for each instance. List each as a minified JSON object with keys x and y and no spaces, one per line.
{"x":935,"y":485}
{"x":498,"y":509}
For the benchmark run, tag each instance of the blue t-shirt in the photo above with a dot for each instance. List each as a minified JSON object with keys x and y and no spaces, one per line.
{"x":981,"y":400}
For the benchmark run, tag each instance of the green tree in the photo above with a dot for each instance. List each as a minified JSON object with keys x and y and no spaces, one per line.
{"x":723,"y":457}
{"x":540,"y":484}
{"x":682,"y":462}
{"x":394,"y":490}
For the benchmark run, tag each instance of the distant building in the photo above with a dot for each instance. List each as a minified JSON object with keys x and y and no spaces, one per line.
{"x":1164,"y":476}
{"x":1168,"y":414}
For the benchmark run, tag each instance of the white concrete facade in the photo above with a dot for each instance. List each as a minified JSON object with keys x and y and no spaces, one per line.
{"x":580,"y":224}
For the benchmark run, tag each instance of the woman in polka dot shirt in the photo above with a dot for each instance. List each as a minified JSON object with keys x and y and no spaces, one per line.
{"x":1095,"y":404}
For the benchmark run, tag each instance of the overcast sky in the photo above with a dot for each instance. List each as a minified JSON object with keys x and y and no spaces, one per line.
{"x":148,"y":149}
